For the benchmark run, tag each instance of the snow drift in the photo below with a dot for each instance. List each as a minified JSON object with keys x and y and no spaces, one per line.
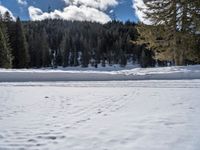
{"x":100,"y":74}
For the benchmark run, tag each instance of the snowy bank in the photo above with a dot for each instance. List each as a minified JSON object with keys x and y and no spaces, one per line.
{"x":100,"y":74}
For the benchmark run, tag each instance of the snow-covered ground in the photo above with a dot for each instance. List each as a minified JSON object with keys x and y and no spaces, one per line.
{"x":108,"y":73}
{"x":114,"y":115}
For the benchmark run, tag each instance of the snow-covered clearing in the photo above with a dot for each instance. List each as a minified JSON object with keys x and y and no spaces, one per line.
{"x":114,"y":115}
{"x":109,"y":73}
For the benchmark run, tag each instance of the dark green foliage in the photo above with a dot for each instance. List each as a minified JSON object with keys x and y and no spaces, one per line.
{"x":52,"y":43}
{"x":20,"y":50}
{"x":146,"y":59}
{"x":5,"y":50}
{"x":5,"y":55}
{"x":174,"y":29}
{"x":18,"y":42}
{"x":82,"y":43}
{"x":40,"y":53}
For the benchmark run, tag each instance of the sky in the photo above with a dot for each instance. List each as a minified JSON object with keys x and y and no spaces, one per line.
{"x":90,"y":10}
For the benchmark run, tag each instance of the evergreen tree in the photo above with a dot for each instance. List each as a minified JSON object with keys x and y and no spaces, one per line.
{"x":65,"y":50}
{"x":171,"y":29}
{"x":5,"y":51}
{"x":45,"y":49}
{"x":20,"y":49}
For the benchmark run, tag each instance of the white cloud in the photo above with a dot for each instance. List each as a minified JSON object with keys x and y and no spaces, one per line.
{"x":22,"y":2}
{"x":35,"y":13}
{"x":99,"y":4}
{"x":140,"y":7}
{"x":80,"y":10}
{"x":67,"y":1}
{"x":4,"y":9}
{"x":72,"y":12}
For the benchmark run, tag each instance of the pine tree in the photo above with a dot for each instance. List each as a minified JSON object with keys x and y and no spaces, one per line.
{"x":20,"y":49}
{"x":5,"y":51}
{"x":171,"y":30}
{"x":65,"y":50}
{"x":45,"y":49}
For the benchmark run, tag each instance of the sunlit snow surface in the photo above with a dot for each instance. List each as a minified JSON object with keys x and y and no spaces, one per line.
{"x":115,"y":115}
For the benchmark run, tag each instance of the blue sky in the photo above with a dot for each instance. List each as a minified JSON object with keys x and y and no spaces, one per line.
{"x":123,"y":11}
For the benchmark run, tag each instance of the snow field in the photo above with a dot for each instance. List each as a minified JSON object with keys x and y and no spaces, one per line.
{"x":126,"y":115}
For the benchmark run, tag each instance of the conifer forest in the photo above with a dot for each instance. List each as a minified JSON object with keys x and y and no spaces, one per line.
{"x":172,"y":38}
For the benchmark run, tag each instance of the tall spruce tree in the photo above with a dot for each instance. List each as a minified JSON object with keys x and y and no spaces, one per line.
{"x":20,"y":49}
{"x":65,"y":50}
{"x":45,"y":49}
{"x":171,"y":31}
{"x":5,"y":51}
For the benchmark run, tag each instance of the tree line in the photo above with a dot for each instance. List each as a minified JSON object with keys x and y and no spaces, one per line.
{"x":173,"y":38}
{"x":66,"y":43}
{"x":52,"y":43}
